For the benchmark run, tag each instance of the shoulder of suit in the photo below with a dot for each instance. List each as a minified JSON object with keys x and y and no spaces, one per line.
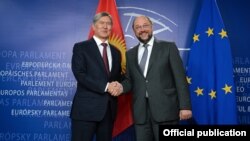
{"x":164,"y":42}
{"x":112,"y":47}
{"x":85,"y":43}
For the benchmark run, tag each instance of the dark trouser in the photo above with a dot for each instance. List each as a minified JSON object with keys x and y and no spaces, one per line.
{"x":150,"y":130}
{"x":85,"y":130}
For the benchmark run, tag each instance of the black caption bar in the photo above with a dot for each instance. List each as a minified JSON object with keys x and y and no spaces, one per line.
{"x":203,"y":131}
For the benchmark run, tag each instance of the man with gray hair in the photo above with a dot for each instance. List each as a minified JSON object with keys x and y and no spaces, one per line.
{"x":95,"y":63}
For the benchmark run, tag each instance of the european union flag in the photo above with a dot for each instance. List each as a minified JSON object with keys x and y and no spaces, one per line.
{"x":210,"y":71}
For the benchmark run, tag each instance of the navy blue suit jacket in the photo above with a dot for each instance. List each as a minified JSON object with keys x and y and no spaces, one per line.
{"x":90,"y":101}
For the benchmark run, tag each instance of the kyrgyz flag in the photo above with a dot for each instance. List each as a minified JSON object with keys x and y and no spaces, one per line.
{"x":124,"y":114}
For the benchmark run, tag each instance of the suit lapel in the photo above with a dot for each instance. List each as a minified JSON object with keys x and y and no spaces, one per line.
{"x":153,"y":56}
{"x":135,"y":60}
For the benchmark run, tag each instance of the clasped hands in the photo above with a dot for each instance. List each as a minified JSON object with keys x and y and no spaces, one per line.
{"x":115,"y":88}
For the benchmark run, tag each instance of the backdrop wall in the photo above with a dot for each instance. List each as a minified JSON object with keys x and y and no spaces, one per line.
{"x":36,"y":40}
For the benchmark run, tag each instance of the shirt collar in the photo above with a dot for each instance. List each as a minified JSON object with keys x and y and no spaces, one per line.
{"x":150,"y":42}
{"x":98,"y":41}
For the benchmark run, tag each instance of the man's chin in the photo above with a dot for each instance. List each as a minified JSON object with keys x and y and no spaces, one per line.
{"x":145,"y":38}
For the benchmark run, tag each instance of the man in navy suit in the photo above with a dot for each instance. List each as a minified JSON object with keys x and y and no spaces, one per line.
{"x":95,"y":63}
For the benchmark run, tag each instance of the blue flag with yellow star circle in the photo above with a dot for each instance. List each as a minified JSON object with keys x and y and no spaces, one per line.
{"x":210,"y":71}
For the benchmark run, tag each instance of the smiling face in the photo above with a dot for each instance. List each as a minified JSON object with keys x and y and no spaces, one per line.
{"x":142,"y":27}
{"x":102,"y":27}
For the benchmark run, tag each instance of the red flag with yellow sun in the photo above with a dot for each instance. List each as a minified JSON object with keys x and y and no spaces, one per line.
{"x":124,"y":114}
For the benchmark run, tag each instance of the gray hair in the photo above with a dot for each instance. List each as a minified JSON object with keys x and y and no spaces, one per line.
{"x":100,"y":15}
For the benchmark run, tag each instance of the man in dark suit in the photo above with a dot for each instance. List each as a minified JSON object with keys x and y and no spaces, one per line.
{"x":156,"y":76}
{"x":95,"y":63}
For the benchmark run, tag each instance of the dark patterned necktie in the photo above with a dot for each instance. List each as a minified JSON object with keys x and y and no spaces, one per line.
{"x":105,"y":57}
{"x":144,"y":57}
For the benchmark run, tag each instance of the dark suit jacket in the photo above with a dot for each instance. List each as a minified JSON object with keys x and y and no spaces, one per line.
{"x":90,"y":101}
{"x":165,"y":83}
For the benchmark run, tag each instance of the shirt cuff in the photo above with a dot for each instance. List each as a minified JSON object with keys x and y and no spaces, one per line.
{"x":106,"y":88}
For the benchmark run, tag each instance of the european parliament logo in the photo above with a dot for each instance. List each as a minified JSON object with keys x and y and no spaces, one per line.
{"x":162,"y":25}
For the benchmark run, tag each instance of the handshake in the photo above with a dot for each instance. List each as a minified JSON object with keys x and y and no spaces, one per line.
{"x":115,"y":88}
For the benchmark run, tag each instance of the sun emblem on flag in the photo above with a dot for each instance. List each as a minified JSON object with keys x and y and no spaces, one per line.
{"x":119,"y":43}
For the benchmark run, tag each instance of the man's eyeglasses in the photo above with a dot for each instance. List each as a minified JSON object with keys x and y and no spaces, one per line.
{"x":145,"y":26}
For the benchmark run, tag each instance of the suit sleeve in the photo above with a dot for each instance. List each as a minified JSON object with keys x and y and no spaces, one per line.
{"x":126,"y":83}
{"x":179,"y":77}
{"x":79,"y":68}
